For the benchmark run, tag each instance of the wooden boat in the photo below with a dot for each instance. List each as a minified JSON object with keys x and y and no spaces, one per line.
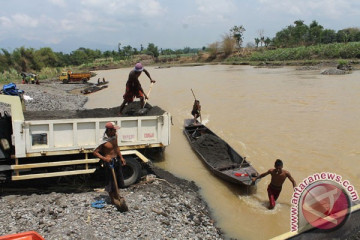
{"x":219,"y":156}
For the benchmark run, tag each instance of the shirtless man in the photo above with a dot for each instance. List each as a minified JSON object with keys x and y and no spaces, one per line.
{"x":196,"y":111}
{"x":109,"y":152}
{"x":133,"y":86}
{"x":278,"y":176}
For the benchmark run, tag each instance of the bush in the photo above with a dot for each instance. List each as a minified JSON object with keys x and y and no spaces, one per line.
{"x":10,"y":76}
{"x":228,"y":44}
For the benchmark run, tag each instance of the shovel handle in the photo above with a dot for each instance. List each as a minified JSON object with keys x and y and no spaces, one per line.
{"x":115,"y":183}
{"x":193,"y":93}
{"x":151,"y":85}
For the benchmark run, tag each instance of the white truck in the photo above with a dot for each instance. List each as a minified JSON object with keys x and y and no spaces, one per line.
{"x":52,"y":144}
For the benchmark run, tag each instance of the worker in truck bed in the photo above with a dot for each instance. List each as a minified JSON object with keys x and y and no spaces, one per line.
{"x":109,"y":152}
{"x":133,"y":86}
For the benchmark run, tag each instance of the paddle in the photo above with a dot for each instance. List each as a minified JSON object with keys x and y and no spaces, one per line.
{"x":144,"y":110}
{"x":121,"y":205}
{"x":195,"y":100}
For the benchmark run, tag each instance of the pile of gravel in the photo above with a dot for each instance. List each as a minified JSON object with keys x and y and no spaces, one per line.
{"x":158,"y":209}
{"x":52,"y":96}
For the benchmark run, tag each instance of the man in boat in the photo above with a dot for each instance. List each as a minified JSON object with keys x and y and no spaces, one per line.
{"x":110,"y":153}
{"x":196,"y":111}
{"x":133,"y":86}
{"x":278,"y":176}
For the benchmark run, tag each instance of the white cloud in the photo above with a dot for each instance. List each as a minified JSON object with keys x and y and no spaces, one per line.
{"x":60,"y":3}
{"x":139,"y":8}
{"x":211,"y":12}
{"x":332,"y":9}
{"x":210,"y":7}
{"x":5,"y":22}
{"x":23,"y":20}
{"x":151,"y":8}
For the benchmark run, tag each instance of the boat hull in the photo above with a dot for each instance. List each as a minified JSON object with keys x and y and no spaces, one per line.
{"x":219,"y":157}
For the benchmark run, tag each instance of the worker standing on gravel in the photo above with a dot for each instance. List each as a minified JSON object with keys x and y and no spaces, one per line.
{"x":133,"y":86}
{"x":110,"y":153}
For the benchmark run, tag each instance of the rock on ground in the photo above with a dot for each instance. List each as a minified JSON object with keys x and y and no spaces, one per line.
{"x":158,"y":209}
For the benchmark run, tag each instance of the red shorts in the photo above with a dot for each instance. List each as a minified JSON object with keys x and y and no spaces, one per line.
{"x":273,"y":194}
{"x":130,"y":95}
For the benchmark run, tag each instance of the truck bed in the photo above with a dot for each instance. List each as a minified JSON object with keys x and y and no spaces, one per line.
{"x":130,"y":110}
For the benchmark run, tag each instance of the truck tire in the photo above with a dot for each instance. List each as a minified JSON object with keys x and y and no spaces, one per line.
{"x":84,"y":80}
{"x":131,"y":171}
{"x":65,"y":81}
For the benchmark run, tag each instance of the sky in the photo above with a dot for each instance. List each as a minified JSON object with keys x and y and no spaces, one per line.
{"x":66,"y":25}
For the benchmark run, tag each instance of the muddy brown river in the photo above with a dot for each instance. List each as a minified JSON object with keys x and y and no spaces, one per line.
{"x":310,"y":121}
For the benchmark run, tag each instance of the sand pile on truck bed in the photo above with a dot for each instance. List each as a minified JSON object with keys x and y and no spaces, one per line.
{"x":130,"y":110}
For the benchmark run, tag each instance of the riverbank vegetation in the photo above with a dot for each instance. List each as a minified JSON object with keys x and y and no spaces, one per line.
{"x":298,"y":43}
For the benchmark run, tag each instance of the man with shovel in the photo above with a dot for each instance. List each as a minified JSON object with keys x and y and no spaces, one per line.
{"x":133,"y":86}
{"x":110,"y":153}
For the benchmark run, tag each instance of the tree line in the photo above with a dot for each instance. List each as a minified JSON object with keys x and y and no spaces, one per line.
{"x":29,"y":59}
{"x":301,"y":34}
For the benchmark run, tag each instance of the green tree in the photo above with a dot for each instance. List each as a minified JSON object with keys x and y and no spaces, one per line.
{"x":328,"y":36}
{"x":343,"y":36}
{"x":267,"y":41}
{"x":237,"y":33}
{"x":45,"y":57}
{"x":6,"y":60}
{"x":153,"y":50}
{"x":257,"y":41}
{"x":282,"y":38}
{"x":128,"y":51}
{"x":299,"y":33}
{"x":315,"y":30}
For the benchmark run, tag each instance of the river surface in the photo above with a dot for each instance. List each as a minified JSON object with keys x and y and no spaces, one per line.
{"x":310,"y":121}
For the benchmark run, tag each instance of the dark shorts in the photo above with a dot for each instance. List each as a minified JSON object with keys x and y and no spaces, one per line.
{"x":131,"y":94}
{"x":110,"y":185}
{"x":273,"y":193}
{"x":195,"y":113}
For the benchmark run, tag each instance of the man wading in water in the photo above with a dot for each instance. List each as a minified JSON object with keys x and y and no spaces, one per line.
{"x":133,"y":86}
{"x":278,"y":176}
{"x":110,"y":153}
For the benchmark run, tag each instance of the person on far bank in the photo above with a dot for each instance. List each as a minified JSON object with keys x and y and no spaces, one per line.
{"x":278,"y":176}
{"x":133,"y":86}
{"x":196,"y":111}
{"x":110,"y":153}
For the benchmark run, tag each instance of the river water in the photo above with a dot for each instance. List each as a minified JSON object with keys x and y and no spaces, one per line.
{"x":310,"y":121}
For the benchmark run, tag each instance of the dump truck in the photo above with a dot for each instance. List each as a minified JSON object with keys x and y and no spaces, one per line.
{"x":47,"y":144}
{"x":69,"y":76}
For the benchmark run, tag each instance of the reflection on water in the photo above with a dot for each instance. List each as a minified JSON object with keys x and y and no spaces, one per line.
{"x":308,"y":120}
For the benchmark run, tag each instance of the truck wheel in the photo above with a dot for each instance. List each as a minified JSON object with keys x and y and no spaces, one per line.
{"x":65,"y":81}
{"x":84,"y":80}
{"x":131,"y":171}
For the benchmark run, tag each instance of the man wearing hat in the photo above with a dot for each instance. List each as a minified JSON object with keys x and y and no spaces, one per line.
{"x":133,"y":86}
{"x":109,"y":152}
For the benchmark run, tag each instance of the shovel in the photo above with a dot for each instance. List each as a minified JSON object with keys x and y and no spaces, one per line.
{"x":120,"y":204}
{"x":144,"y":110}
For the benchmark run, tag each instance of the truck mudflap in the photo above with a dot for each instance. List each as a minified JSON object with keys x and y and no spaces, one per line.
{"x":132,"y":171}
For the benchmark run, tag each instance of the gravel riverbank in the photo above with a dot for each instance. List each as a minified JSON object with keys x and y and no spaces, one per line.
{"x":161,"y":205}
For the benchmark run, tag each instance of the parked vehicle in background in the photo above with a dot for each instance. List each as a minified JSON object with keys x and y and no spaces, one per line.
{"x":69,"y":76}
{"x":29,"y":78}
